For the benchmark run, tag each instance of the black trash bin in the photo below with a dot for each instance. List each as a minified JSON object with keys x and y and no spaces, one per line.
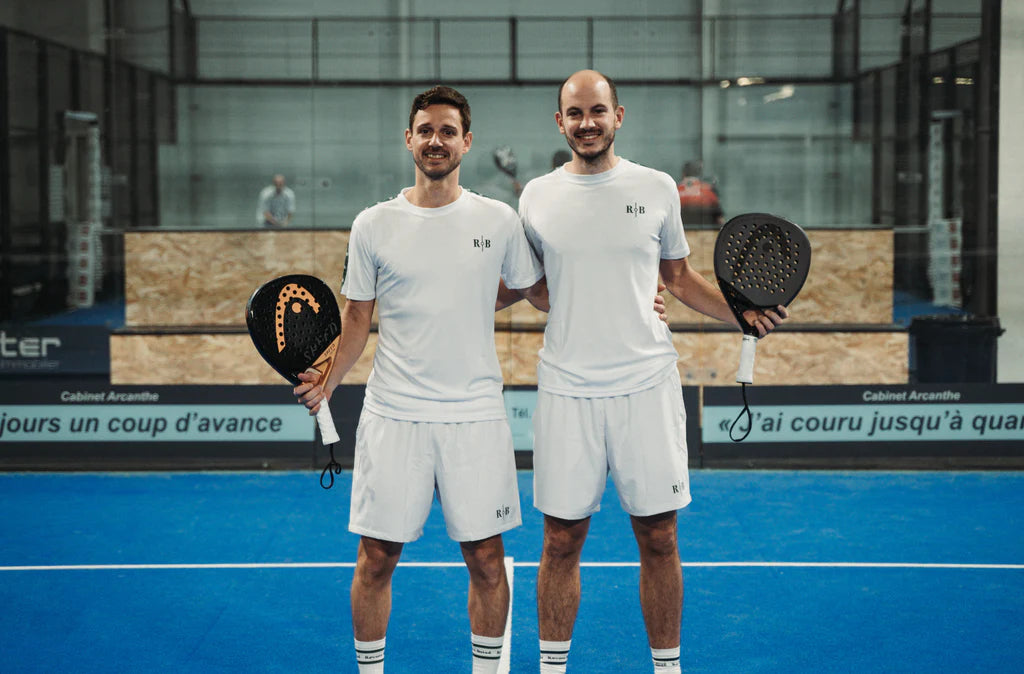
{"x":953,"y":348}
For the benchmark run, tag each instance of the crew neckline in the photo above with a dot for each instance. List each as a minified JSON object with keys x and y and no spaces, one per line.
{"x":430,"y":211}
{"x":594,"y":178}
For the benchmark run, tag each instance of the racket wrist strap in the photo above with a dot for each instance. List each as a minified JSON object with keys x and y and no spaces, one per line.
{"x":745,"y":373}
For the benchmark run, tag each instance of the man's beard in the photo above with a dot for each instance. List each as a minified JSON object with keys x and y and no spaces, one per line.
{"x":436,"y":172}
{"x":592,"y":154}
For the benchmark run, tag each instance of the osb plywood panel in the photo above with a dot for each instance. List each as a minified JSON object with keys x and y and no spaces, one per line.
{"x":704,"y":358}
{"x":520,"y":313}
{"x":205,"y":278}
{"x":783,"y":358}
{"x":796,"y":358}
{"x":203,"y":359}
{"x":850,"y":279}
{"x":191,"y":358}
{"x":519,"y":366}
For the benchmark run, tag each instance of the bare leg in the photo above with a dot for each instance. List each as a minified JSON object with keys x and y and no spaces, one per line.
{"x":558,"y":577}
{"x":371,"y":587}
{"x":661,"y":578}
{"x":488,"y":586}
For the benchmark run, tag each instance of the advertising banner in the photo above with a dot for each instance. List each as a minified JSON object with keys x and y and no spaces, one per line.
{"x":54,"y":350}
{"x":966,"y":423}
{"x":77,"y":423}
{"x":84,"y":424}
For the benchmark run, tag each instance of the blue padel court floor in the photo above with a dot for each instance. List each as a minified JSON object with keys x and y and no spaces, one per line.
{"x":249,"y":572}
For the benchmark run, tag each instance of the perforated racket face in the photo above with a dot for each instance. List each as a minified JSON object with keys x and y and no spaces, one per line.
{"x":293,"y":320}
{"x":761,"y":260}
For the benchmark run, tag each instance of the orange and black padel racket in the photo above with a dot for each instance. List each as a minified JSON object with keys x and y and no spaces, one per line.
{"x":295,"y":324}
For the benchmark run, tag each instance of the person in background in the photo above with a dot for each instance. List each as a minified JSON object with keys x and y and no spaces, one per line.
{"x":506,"y":161}
{"x":698,"y":199}
{"x":277,"y":203}
{"x":560,"y":157}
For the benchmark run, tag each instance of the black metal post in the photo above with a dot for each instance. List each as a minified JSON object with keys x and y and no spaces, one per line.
{"x":985,"y":292}
{"x":6,"y":303}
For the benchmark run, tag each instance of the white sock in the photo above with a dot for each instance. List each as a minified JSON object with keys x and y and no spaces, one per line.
{"x":553,"y":656}
{"x":370,"y":656}
{"x":486,"y":653}
{"x":666,"y":660}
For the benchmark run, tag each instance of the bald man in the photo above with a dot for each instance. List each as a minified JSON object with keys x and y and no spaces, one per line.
{"x":609,"y":394}
{"x":277,"y":203}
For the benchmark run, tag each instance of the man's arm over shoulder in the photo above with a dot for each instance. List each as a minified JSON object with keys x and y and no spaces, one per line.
{"x":537,"y":295}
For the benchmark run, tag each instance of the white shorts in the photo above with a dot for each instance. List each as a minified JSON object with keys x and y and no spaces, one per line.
{"x":639,"y":438}
{"x":400,"y":464}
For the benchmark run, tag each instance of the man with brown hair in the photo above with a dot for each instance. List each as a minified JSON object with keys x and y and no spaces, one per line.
{"x":433,"y":417}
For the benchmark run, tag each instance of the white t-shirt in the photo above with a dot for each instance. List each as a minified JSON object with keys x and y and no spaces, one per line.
{"x":434,"y":273}
{"x":600,"y":238}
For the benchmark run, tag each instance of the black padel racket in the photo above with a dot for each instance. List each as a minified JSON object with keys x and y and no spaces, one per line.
{"x":761,"y":261}
{"x":295,"y":324}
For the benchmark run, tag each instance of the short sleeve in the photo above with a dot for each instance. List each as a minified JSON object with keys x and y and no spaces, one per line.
{"x":359,"y":279}
{"x":673,"y":240}
{"x":520,"y":269}
{"x":528,"y":230}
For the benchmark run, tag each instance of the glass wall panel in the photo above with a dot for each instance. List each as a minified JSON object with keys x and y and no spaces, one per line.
{"x":370,"y":49}
{"x":24,"y":135}
{"x":947,"y":31}
{"x":257,"y":49}
{"x":92,"y":84}
{"x":790,"y":150}
{"x":648,"y":49}
{"x":789,"y":111}
{"x":879,"y":40}
{"x":478,"y":49}
{"x":545,"y":46}
{"x":771,"y":47}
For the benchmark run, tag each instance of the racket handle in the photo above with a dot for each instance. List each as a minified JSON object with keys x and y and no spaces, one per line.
{"x":328,"y":433}
{"x":745,"y":373}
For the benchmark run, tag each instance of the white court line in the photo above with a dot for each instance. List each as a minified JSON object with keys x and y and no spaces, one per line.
{"x":855,"y":565}
{"x":351,"y":565}
{"x":505,"y":663}
{"x":808,"y":565}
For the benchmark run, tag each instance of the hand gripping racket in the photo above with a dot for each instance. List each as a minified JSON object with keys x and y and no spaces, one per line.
{"x":295,"y":325}
{"x":761,"y":261}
